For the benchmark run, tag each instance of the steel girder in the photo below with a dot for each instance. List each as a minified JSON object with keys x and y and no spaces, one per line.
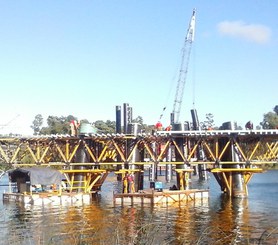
{"x":251,"y":148}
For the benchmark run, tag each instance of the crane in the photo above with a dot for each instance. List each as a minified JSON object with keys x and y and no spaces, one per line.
{"x":186,"y":50}
{"x":9,"y":122}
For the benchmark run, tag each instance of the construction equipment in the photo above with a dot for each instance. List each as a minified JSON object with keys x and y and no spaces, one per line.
{"x":2,"y":126}
{"x":186,"y":50}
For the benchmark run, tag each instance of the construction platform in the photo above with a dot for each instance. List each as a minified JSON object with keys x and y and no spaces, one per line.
{"x":42,"y":185}
{"x":160,"y":197}
{"x":48,"y":198}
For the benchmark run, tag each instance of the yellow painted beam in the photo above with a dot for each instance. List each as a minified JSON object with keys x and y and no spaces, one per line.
{"x":224,"y":149}
{"x":129,"y":171}
{"x":74,"y":151}
{"x":16,"y":153}
{"x":119,"y":150}
{"x":210,"y":151}
{"x":83,"y":171}
{"x":4,"y":154}
{"x":90,"y":152}
{"x":132,"y":152}
{"x":186,"y":170}
{"x":102,"y":154}
{"x":32,"y":153}
{"x":93,"y":183}
{"x":192,"y":152}
{"x":242,"y":170}
{"x":254,"y":150}
{"x":61,"y":152}
{"x":241,"y":151}
{"x":160,"y":157}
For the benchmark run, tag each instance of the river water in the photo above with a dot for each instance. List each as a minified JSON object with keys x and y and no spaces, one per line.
{"x":218,"y":220}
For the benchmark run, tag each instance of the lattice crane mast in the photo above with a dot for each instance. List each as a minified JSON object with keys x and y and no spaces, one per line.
{"x":186,"y":50}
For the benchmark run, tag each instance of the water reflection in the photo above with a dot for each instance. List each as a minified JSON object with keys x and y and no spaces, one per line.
{"x":220,"y":220}
{"x":225,"y":224}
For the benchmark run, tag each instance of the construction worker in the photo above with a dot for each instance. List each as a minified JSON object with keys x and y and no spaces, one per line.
{"x":125,"y":184}
{"x":249,"y":125}
{"x":169,"y":128}
{"x":74,"y":125}
{"x":158,"y":126}
{"x":181,"y":181}
{"x":131,"y":183}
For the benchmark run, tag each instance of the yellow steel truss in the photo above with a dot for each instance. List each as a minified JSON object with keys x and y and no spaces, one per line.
{"x":252,"y":148}
{"x":92,"y":179}
{"x":224,"y":175}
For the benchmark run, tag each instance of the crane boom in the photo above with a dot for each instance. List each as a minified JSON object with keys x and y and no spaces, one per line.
{"x":186,"y":50}
{"x":9,"y":122}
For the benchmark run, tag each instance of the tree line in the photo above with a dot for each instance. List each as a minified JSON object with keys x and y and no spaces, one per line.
{"x":61,"y":125}
{"x":270,"y":119}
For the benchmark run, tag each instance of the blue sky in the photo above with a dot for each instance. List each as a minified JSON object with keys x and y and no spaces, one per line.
{"x":85,"y":57}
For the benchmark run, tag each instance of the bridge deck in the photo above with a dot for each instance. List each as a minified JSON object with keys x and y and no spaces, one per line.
{"x":252,"y":146}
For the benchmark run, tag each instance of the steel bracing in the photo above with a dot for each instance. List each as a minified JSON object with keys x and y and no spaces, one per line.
{"x":253,"y":147}
{"x":233,"y":156}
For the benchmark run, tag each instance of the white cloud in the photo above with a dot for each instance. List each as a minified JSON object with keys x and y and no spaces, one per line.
{"x":252,"y":32}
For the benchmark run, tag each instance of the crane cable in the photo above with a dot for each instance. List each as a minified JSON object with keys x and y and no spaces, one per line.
{"x":172,"y":84}
{"x":193,"y":83}
{"x":186,"y":50}
{"x":194,"y":78}
{"x":9,"y":122}
{"x":169,"y":94}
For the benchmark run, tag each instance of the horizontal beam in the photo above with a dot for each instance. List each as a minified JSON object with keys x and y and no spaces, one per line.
{"x":83,"y":171}
{"x":219,"y":132}
{"x":241,"y":170}
{"x":144,"y":135}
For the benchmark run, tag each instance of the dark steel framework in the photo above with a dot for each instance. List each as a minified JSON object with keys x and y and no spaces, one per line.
{"x":252,"y":147}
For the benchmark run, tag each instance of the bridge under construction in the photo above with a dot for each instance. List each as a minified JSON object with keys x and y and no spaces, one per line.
{"x":86,"y":157}
{"x":233,"y":156}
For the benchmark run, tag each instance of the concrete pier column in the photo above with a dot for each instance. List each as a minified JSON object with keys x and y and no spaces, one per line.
{"x":80,"y":157}
{"x":202,"y":169}
{"x":200,"y":153}
{"x":168,"y":169}
{"x":118,"y":119}
{"x":180,"y":142}
{"x":127,"y":116}
{"x":153,"y":167}
{"x":118,"y":131}
{"x":134,"y":129}
{"x":238,"y":186}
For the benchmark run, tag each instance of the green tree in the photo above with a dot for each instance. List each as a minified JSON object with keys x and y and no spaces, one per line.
{"x":58,"y":125}
{"x":209,"y":122}
{"x":145,"y":128}
{"x":276,"y":109}
{"x":138,"y":119}
{"x":270,"y":119}
{"x":37,"y":124}
{"x":108,"y":127}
